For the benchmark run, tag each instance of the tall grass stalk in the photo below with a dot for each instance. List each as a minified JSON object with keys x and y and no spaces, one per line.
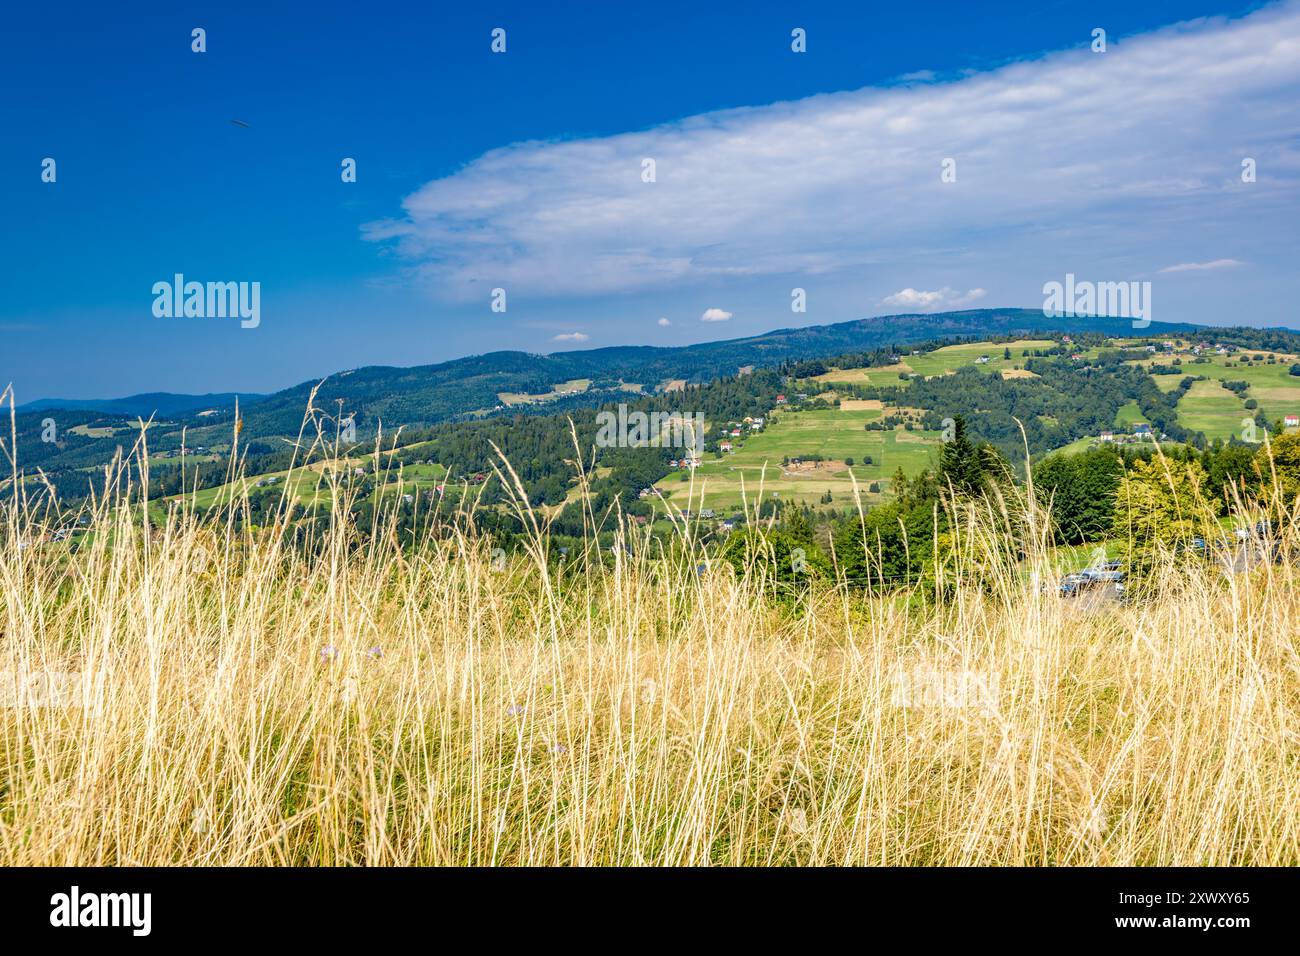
{"x":241,"y":697}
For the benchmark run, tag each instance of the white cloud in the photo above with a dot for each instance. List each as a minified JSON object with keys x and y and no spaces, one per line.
{"x":715,"y":315}
{"x":571,"y":337}
{"x":664,"y":323}
{"x":944,"y":298}
{"x":1129,"y":151}
{"x":1202,"y":266}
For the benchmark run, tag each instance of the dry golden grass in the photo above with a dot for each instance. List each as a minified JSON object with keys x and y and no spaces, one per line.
{"x":355,"y":702}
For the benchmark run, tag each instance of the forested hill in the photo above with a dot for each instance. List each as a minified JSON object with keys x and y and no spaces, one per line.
{"x":473,"y":387}
{"x":148,"y":405}
{"x":428,"y":394}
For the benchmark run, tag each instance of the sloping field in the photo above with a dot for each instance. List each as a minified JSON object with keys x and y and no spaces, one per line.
{"x":1211,"y":408}
{"x":835,"y":435}
{"x":942,"y":362}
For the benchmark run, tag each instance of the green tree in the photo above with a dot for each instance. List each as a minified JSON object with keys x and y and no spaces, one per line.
{"x":1281,"y":458}
{"x":1081,"y":490}
{"x":1161,"y":505}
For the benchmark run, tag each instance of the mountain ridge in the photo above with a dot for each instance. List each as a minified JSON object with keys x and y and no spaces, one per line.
{"x":469,"y":387}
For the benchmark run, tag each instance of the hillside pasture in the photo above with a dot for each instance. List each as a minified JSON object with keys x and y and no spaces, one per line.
{"x":833,"y":434}
{"x":575,"y":386}
{"x":1273,"y":386}
{"x":1209,"y":407}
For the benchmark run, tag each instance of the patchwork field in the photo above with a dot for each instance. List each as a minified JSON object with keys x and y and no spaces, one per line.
{"x":574,"y":386}
{"x":1276,"y":390}
{"x":879,"y":375}
{"x":952,"y":357}
{"x":833,"y":434}
{"x":943,"y":362}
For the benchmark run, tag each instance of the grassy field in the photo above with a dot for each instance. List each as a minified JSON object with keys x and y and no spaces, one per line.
{"x":1129,"y":414}
{"x":206,"y":695}
{"x":575,"y":386}
{"x":1078,"y":445}
{"x":834,"y":434}
{"x":940,"y":362}
{"x":952,"y":357}
{"x":1272,"y":386}
{"x":1211,"y":408}
{"x":310,"y":483}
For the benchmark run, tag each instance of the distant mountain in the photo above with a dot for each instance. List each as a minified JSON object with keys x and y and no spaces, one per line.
{"x":470,"y":387}
{"x":158,"y":404}
{"x":428,"y":394}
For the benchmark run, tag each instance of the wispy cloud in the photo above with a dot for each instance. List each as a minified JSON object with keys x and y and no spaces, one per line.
{"x":664,"y":323}
{"x":1140,"y":144}
{"x":571,"y":337}
{"x":944,"y":298}
{"x":715,"y":315}
{"x":1203,"y":266}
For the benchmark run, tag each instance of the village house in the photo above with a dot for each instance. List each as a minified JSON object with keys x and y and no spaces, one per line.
{"x":1107,"y":436}
{"x":1291,"y":421}
{"x":724,"y":446}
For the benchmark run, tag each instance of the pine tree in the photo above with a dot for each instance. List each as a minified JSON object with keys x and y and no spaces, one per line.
{"x":960,"y":465}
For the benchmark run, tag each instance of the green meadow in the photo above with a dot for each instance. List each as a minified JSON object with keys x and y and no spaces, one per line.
{"x":1217,"y":411}
{"x":1211,"y":408}
{"x":942,"y":361}
{"x":833,"y":434}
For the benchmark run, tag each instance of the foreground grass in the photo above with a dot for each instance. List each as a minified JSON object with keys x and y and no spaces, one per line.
{"x":241,"y":702}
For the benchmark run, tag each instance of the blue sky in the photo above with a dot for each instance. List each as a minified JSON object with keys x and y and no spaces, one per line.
{"x":522,"y":171}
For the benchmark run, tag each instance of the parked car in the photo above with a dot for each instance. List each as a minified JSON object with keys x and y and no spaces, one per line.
{"x":1109,"y":575}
